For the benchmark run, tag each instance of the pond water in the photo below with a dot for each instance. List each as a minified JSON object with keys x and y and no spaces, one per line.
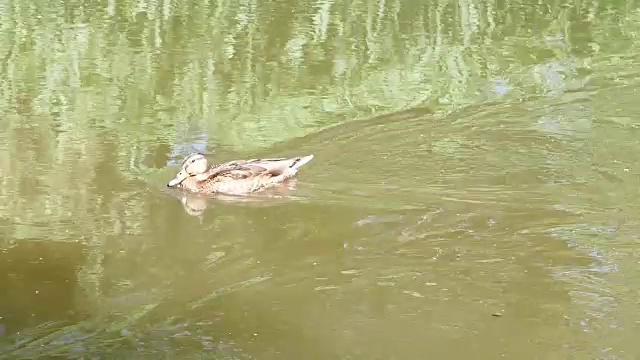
{"x":473,"y":192}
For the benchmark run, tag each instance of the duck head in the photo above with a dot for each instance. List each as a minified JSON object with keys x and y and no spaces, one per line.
{"x":194,"y":165}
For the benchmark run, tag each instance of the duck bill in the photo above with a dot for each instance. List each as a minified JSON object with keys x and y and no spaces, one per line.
{"x":177,"y":180}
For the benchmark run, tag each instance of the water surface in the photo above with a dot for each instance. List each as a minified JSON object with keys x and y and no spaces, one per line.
{"x":473,"y":191}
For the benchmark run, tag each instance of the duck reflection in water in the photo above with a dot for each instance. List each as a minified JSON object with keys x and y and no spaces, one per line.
{"x":196,"y":204}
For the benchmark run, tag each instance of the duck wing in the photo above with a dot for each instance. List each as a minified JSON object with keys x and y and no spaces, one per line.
{"x":244,"y":169}
{"x":280,"y":166}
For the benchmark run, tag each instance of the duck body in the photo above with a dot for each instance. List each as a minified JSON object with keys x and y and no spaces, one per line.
{"x":237,"y":177}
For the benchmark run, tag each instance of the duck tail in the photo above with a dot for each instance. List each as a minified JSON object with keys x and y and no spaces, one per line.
{"x":300,"y":162}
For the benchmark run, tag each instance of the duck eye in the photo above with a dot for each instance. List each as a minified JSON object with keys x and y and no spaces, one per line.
{"x":193,"y":160}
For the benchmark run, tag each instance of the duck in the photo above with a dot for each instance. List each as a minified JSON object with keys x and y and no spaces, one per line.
{"x":237,"y":177}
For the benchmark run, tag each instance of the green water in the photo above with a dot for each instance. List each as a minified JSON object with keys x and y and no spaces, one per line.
{"x":473,"y":193}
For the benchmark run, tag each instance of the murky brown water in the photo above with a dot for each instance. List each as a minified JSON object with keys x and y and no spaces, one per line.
{"x":473,"y":192}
